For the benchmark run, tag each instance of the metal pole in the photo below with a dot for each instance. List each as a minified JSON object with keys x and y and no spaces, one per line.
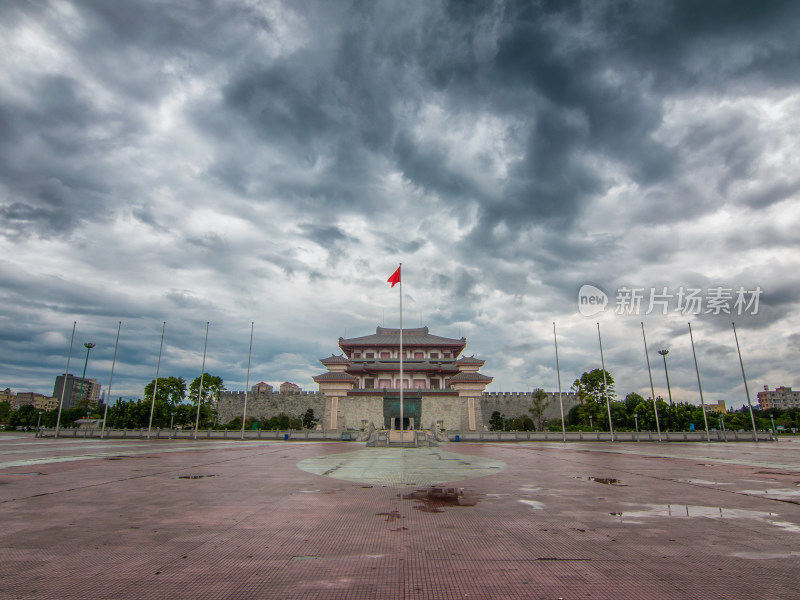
{"x":110,"y":378}
{"x":247,"y":381}
{"x":38,"y":422}
{"x":401,"y":353}
{"x":605,"y":384}
{"x":66,"y":375}
{"x":652,"y":389}
{"x":155,"y":382}
{"x":200,"y":391}
{"x":664,"y":353}
{"x":591,"y":424}
{"x":560,"y":399}
{"x":747,"y":391}
{"x":636,"y":424}
{"x":696,"y":368}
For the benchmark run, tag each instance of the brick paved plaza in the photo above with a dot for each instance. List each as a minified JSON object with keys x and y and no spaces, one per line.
{"x":226,"y":519}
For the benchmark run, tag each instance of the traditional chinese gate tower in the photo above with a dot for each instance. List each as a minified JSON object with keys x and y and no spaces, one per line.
{"x":362,"y":384}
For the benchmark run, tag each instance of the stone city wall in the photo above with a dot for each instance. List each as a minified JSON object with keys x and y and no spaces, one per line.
{"x":516,"y":404}
{"x":353,"y":410}
{"x":265,"y":405}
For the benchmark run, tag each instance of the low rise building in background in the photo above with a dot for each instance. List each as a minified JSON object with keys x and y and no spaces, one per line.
{"x":782,"y":397}
{"x":287,"y":387}
{"x":718,"y":406}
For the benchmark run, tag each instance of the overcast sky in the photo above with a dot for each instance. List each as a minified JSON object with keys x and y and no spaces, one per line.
{"x":241,"y":161}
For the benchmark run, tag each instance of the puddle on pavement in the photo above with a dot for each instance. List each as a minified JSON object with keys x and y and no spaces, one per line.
{"x":701,"y":482}
{"x":33,"y":474}
{"x":193,"y":476}
{"x":782,"y":494}
{"x":533,"y":504}
{"x":684,"y":511}
{"x":434,"y":499}
{"x":391,"y":516}
{"x":605,"y":481}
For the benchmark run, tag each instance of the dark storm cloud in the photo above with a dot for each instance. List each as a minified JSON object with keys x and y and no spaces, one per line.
{"x":517,"y":149}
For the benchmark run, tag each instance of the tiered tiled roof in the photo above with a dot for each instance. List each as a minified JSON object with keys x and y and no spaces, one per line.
{"x":470,"y":377}
{"x":335,"y":376}
{"x":335,"y":359}
{"x":411,"y":337}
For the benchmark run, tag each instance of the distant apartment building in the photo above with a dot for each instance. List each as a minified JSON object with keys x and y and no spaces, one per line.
{"x":18,"y":400}
{"x":261,"y":387}
{"x":289,"y":388}
{"x":782,"y":397}
{"x":718,"y":406}
{"x":74,"y":393}
{"x":45,"y":403}
{"x":7,"y":396}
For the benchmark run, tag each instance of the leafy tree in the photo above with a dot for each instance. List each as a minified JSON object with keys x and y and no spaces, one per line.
{"x":24,"y":416}
{"x":591,"y":387}
{"x":522,"y":423}
{"x":309,"y":420}
{"x":283,"y":422}
{"x":5,"y":411}
{"x":171,"y":390}
{"x":496,"y":421}
{"x":212,"y":387}
{"x":540,"y":404}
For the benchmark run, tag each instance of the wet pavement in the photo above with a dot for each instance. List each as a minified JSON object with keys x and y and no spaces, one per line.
{"x":227,"y":519}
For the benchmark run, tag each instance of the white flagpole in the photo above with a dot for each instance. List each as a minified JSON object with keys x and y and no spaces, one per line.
{"x":401,"y":347}
{"x":746,"y":389}
{"x":155,"y":383}
{"x":200,"y":391}
{"x":699,"y":385}
{"x":66,"y":376}
{"x":110,"y":379}
{"x":560,"y":399}
{"x":605,"y":384}
{"x":247,"y":383}
{"x":652,"y":389}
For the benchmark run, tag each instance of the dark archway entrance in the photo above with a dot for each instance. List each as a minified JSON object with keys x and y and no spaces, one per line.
{"x":412,"y":409}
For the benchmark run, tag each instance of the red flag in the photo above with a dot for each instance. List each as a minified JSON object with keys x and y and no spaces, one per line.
{"x":395,"y":278}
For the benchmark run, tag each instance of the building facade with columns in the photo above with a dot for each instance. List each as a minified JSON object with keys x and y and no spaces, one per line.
{"x":440,"y":387}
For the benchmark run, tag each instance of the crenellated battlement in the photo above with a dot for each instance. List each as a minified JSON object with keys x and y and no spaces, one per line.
{"x":267,"y":395}
{"x":524,"y":396}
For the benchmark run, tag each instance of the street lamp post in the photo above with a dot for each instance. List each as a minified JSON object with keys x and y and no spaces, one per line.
{"x":636,"y":422}
{"x":38,"y":422}
{"x":774,"y":432}
{"x":591,"y":426}
{"x":666,"y":371}
{"x":171,"y":418}
{"x":88,"y":346}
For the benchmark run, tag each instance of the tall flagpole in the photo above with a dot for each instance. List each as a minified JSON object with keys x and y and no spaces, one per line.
{"x":247,"y":383}
{"x":696,"y":368}
{"x":155,"y":382}
{"x":605,"y":384}
{"x":652,"y":389}
{"x":66,"y":376}
{"x":200,"y":391}
{"x":746,"y":390}
{"x":110,"y":378}
{"x":560,"y":399}
{"x":401,"y":347}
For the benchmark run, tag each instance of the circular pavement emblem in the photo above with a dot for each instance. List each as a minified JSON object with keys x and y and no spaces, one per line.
{"x":401,"y":467}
